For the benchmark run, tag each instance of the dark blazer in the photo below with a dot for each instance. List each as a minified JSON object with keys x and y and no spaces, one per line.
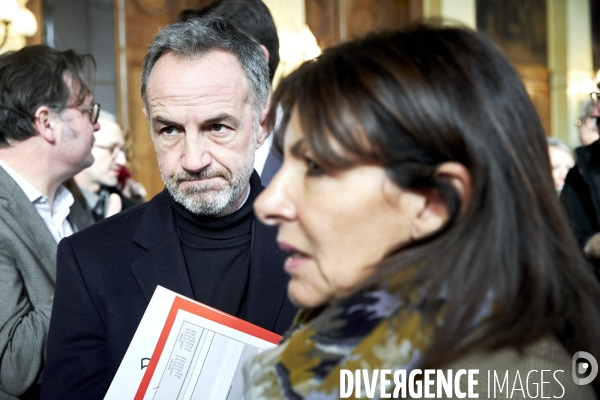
{"x":580,"y":193}
{"x":27,"y":278}
{"x":271,"y":167}
{"x":106,"y":276}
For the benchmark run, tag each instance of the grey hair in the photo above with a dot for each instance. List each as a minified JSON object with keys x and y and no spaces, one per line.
{"x":197,"y":37}
{"x":561,"y":144}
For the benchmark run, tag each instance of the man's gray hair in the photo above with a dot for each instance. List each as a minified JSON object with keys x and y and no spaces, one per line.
{"x":197,"y":37}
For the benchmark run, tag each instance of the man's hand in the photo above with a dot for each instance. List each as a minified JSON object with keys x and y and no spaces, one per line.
{"x":115,"y":205}
{"x":592,"y":247}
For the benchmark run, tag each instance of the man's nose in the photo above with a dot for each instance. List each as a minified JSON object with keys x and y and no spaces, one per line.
{"x":121,"y":159}
{"x":196,"y":153}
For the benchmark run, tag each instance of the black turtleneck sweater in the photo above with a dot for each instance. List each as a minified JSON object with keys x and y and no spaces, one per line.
{"x":217,"y":252}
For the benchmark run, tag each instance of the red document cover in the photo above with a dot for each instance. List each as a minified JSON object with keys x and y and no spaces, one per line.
{"x":186,"y":350}
{"x":182,"y":303}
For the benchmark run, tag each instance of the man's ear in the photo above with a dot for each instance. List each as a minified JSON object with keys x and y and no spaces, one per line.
{"x":263,"y":129}
{"x":434,"y":212}
{"x":266,"y":51}
{"x":44,"y":123}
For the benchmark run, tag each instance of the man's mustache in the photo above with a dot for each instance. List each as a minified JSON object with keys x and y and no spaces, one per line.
{"x":184,"y":176}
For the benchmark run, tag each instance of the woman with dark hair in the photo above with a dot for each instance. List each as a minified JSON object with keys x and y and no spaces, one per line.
{"x":422,"y":226}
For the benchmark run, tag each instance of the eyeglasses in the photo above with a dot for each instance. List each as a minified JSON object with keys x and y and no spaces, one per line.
{"x":93,"y":110}
{"x":114,"y":150}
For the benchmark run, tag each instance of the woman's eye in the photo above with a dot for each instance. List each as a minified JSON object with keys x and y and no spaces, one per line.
{"x":313,"y":169}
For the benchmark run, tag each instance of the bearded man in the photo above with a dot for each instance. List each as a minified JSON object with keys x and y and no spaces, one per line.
{"x":205,"y":87}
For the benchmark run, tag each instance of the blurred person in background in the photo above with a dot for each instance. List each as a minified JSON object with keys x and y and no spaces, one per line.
{"x":587,"y":125}
{"x":47,"y":123}
{"x":561,"y":161}
{"x":130,"y":188}
{"x":421,"y":224}
{"x":96,"y":186}
{"x":580,"y":194}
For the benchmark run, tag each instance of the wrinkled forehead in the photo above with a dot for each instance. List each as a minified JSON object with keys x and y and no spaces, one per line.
{"x":178,"y":74}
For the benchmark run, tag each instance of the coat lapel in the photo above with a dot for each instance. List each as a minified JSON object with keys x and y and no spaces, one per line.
{"x":163,"y":264}
{"x":26,"y":222}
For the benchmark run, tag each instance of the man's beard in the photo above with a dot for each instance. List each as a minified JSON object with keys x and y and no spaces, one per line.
{"x":204,"y":199}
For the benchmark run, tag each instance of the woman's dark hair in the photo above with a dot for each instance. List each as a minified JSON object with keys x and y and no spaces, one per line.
{"x":35,"y":76}
{"x":429,"y":94}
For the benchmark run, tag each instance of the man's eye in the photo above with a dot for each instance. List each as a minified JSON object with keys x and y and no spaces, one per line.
{"x":169,"y":130}
{"x":313,"y":169}
{"x":217,"y":127}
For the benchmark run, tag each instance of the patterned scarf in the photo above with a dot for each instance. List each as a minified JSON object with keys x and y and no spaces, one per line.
{"x":373,"y":329}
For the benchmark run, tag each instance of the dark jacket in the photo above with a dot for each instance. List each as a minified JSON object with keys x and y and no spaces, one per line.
{"x":581,"y":197}
{"x":126,"y":202}
{"x":580,"y":194}
{"x":106,"y":277}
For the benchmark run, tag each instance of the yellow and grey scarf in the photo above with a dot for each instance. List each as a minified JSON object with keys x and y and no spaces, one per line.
{"x":373,"y":329}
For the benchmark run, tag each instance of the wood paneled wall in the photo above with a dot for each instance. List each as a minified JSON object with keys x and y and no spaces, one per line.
{"x":36,"y":7}
{"x":520,"y":30}
{"x":536,"y":79}
{"x":335,"y":21}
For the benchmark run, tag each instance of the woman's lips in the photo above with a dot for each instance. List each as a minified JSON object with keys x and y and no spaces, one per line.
{"x":295,"y":257}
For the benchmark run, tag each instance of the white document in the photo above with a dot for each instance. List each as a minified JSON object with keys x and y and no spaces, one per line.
{"x":183,"y":349}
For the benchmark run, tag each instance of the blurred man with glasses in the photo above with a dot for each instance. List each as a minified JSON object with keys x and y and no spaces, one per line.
{"x":96,"y":186}
{"x":581,"y":193}
{"x":47,"y":123}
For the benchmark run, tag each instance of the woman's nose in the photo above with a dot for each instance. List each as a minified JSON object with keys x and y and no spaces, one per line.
{"x":275,"y":204}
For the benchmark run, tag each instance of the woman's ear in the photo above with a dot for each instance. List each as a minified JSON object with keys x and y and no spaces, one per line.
{"x":434,"y":211}
{"x":459,"y":176}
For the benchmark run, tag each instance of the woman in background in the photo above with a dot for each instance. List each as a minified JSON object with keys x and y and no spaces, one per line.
{"x":423,"y":229}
